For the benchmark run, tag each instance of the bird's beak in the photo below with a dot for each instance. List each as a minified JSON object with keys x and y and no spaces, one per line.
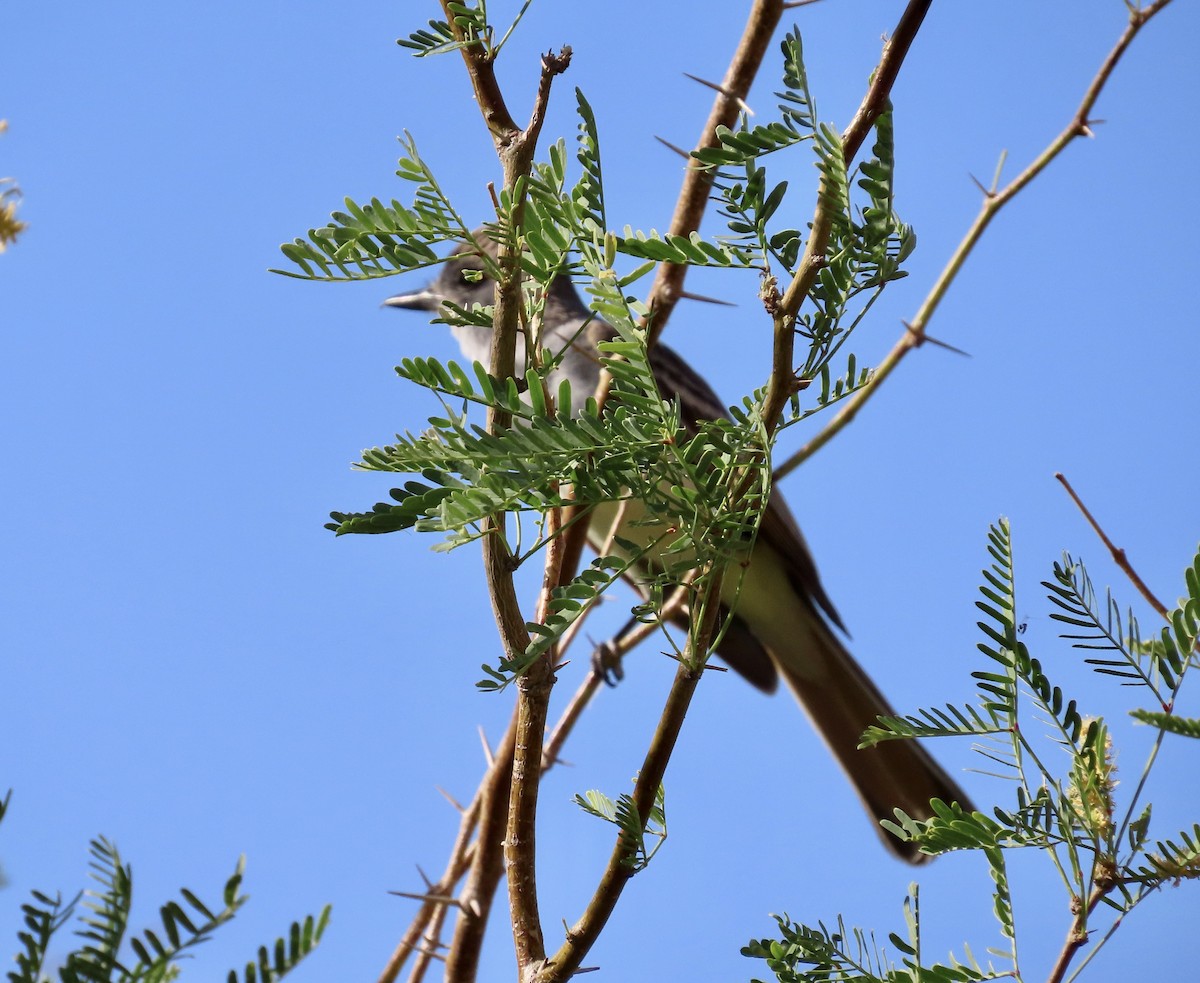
{"x":422,"y":300}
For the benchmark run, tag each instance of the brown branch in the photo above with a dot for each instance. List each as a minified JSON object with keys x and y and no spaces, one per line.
{"x":515,"y":148}
{"x":697,"y":182}
{"x":913,"y":335}
{"x":425,"y":954}
{"x":429,"y":917}
{"x":1118,"y":554}
{"x":583,"y":934}
{"x":516,"y":152}
{"x":884,"y":77}
{"x":480,"y":60}
{"x":1077,"y":935}
{"x":533,"y":702}
{"x":575,"y":539}
{"x":783,"y":382}
{"x":431,"y":914}
{"x":487,"y":866}
{"x":534,"y":687}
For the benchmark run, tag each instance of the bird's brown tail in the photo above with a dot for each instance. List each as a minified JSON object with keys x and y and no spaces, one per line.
{"x":842,"y":702}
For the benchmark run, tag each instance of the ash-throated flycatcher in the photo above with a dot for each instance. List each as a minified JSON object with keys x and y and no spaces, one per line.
{"x":781,"y":621}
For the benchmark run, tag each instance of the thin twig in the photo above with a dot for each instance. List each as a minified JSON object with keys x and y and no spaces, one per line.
{"x":487,"y":866}
{"x":992,"y":203}
{"x":583,"y":934}
{"x":1118,"y":554}
{"x":783,"y":382}
{"x":697,"y":182}
{"x":571,"y":558}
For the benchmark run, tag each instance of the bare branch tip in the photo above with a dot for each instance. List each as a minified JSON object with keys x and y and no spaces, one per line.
{"x":553,"y":64}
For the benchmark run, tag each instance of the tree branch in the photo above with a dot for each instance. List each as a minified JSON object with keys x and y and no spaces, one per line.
{"x":1118,"y":554}
{"x":617,"y":647}
{"x":523,"y":740}
{"x":914,"y":334}
{"x":583,"y":934}
{"x":697,"y":182}
{"x":1077,"y":936}
{"x":533,"y":702}
{"x":782,"y":384}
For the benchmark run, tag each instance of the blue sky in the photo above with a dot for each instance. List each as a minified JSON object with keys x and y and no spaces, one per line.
{"x":195,"y":668}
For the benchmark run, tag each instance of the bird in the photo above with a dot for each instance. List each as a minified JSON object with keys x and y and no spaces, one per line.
{"x":784,"y":624}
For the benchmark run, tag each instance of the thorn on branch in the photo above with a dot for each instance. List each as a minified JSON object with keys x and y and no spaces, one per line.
{"x":922,"y":338}
{"x":449,"y":798}
{"x":987,"y":192}
{"x":487,"y":751}
{"x":940,"y":343}
{"x":684,"y":294}
{"x":741,"y":103}
{"x":670,"y":146}
{"x":442,"y":899}
{"x":428,"y":952}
